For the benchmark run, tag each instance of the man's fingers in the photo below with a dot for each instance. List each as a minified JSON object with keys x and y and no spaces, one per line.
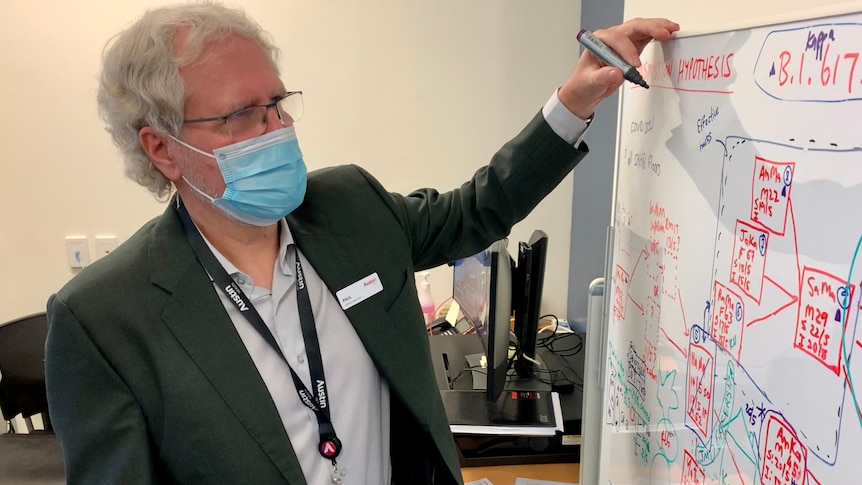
{"x":630,"y":38}
{"x":600,"y":82}
{"x":644,"y":30}
{"x":610,"y":78}
{"x":622,"y":45}
{"x":592,"y":81}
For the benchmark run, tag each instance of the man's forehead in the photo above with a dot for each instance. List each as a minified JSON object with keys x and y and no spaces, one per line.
{"x":230,"y":73}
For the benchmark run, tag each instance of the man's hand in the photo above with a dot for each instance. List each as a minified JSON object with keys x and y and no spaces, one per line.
{"x":592,"y":81}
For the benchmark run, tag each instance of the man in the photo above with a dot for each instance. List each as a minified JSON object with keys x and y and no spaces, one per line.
{"x":265,"y":328}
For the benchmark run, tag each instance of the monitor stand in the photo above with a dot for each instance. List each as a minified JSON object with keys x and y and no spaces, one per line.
{"x":514,"y":381}
{"x":456,"y":361}
{"x":449,"y":354}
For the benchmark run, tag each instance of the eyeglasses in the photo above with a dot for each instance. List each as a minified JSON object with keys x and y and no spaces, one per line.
{"x":251,"y":121}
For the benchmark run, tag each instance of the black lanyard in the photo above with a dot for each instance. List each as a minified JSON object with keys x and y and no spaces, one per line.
{"x":318,"y":401}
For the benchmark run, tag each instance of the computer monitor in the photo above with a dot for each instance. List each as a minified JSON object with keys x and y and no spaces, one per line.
{"x":527,"y":299}
{"x":482,"y":287}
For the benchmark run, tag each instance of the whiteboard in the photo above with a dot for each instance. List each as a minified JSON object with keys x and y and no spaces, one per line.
{"x":734,"y":280}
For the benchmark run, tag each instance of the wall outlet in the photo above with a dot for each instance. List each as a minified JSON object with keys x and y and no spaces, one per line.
{"x":104,"y":245}
{"x":78,"y":251}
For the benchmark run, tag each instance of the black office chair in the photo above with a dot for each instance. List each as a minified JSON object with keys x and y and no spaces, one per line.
{"x":34,"y":456}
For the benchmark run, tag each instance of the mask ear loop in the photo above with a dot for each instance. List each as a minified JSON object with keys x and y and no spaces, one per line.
{"x":199,"y":191}
{"x":198,"y":150}
{"x":186,"y":180}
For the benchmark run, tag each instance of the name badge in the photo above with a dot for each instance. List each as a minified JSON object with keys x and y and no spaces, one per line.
{"x":360,"y":291}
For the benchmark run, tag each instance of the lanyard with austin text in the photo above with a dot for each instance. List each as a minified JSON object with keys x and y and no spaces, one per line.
{"x":329,"y":446}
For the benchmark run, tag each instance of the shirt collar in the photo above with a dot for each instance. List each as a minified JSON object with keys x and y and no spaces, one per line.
{"x":284,"y":264}
{"x":285,"y":241}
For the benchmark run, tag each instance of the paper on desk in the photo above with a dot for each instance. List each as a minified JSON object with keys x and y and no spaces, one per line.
{"x":533,"y":481}
{"x":481,"y":481}
{"x":517,"y":430}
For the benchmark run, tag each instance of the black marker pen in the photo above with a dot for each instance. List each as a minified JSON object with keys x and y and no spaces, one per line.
{"x":609,"y":57}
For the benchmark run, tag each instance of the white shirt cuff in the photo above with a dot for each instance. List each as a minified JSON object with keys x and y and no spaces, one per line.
{"x":565,"y":124}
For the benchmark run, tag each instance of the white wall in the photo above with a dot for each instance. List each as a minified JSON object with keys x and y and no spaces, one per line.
{"x":420,"y":93}
{"x":699,"y":17}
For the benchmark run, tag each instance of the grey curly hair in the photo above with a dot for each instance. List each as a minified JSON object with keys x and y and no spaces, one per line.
{"x":140,"y":84}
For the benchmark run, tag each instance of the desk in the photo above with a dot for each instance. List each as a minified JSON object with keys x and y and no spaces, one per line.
{"x":507,"y":474}
{"x":31,"y":458}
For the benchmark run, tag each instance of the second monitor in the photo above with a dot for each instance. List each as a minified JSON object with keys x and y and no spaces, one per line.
{"x":527,"y":299}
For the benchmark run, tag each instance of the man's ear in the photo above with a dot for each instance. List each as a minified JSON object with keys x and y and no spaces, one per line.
{"x":155,"y":145}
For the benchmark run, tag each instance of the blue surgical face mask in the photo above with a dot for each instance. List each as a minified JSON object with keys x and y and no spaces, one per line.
{"x":265,"y":177}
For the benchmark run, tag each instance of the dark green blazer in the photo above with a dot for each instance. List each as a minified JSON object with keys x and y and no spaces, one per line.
{"x":149,"y":382}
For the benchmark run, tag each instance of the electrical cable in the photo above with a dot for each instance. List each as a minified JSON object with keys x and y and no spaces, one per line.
{"x":548,"y":342}
{"x":477,"y":368}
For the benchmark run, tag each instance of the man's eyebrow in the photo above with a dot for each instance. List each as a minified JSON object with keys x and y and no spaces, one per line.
{"x":281,"y":93}
{"x":241,"y":105}
{"x":248,"y":104}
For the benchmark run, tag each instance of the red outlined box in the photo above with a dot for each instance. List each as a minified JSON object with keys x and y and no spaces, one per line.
{"x":621,"y":290}
{"x":727,"y":319}
{"x":692,"y":473}
{"x":784,"y":457}
{"x":824,"y":300}
{"x":770,"y":193}
{"x":699,"y":384}
{"x":750,"y":245}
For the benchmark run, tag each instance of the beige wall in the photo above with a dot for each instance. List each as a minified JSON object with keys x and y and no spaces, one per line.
{"x":420,"y":93}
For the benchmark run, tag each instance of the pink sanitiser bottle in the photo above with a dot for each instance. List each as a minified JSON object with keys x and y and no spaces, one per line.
{"x":426,"y":300}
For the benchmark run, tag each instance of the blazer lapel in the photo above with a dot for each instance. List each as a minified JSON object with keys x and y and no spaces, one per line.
{"x":341,"y":260}
{"x":197,"y":318}
{"x":382,"y":322}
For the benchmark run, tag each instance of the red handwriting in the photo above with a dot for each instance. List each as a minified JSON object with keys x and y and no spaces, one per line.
{"x":829,"y":74}
{"x":705,"y":68}
{"x":784,"y":457}
{"x":825,"y":299}
{"x":692,"y":473}
{"x":663,"y":227}
{"x":727,"y":317}
{"x":622,"y":280}
{"x":749,"y":259}
{"x":770,"y":193}
{"x":653,"y":72}
{"x":701,"y":369}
